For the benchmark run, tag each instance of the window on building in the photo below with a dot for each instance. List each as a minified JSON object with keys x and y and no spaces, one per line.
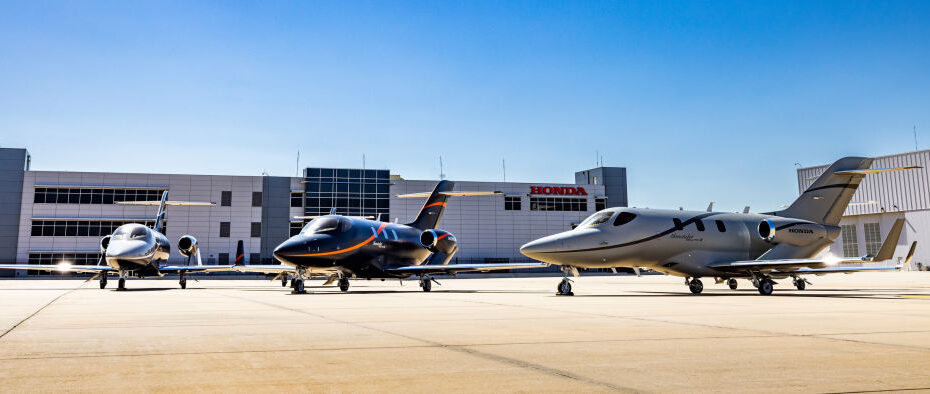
{"x":79,"y":228}
{"x":558,"y":204}
{"x":699,"y":224}
{"x":84,"y":195}
{"x":224,"y":229}
{"x":720,"y":227}
{"x":354,"y":192}
{"x":513,"y":203}
{"x":600,"y":204}
{"x":222,"y":259}
{"x":873,"y":238}
{"x":850,"y":240}
{"x":297,"y":200}
{"x":226,"y":198}
{"x":256,"y":230}
{"x":255,"y":258}
{"x":77,"y":258}
{"x":678,"y":225}
{"x":256,"y":199}
{"x":295,"y":228}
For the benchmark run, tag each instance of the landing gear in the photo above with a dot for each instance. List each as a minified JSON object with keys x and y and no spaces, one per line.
{"x":344,"y":284}
{"x":766,"y":286}
{"x":565,"y":288}
{"x":800,"y":284}
{"x":283,"y":281}
{"x":121,"y":285}
{"x":732,"y":283}
{"x":298,"y":286}
{"x":695,"y":286}
{"x":183,"y":282}
{"x":293,"y":283}
{"x":426,"y":285}
{"x":103,"y":281}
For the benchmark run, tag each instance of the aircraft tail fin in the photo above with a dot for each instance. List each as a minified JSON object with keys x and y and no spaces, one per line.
{"x":827,"y":198}
{"x":433,"y":208}
{"x":160,"y":216}
{"x":240,"y":254}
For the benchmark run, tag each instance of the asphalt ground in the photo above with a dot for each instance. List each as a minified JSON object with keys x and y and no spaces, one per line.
{"x":863,"y":332}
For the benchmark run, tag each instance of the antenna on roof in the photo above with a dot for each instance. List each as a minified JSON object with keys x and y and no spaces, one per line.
{"x":363,"y":161}
{"x":442,"y":175}
{"x":504,"y":168}
{"x":915,"y":137}
{"x":298,"y":162}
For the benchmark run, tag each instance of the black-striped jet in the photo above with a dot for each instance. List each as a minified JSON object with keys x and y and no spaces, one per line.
{"x":136,"y":250}
{"x":342,"y":247}
{"x":725,"y":246}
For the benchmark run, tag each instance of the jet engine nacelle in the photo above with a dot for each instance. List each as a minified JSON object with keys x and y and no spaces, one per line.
{"x":187,"y":245}
{"x":104,"y":242}
{"x":795,"y":232}
{"x":439,"y":241}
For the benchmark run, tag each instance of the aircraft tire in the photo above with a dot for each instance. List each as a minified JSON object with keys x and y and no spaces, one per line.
{"x":344,"y":285}
{"x":294,"y":284}
{"x":696,"y":286}
{"x":121,"y":285}
{"x":565,"y":287}
{"x":103,"y":282}
{"x":299,"y":286}
{"x":283,"y":282}
{"x":426,"y":285}
{"x":766,"y":287}
{"x":800,"y":284}
{"x":183,"y":283}
{"x":732,"y":283}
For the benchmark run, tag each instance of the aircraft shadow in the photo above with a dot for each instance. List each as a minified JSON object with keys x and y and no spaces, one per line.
{"x":754,"y":293}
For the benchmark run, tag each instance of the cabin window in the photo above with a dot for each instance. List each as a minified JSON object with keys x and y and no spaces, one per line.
{"x":678,"y":225}
{"x":699,"y":224}
{"x":624,"y":218}
{"x":720,"y":226}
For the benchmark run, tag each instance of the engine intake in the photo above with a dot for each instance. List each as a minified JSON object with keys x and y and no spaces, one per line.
{"x":187,"y":245}
{"x":104,"y":242}
{"x":795,"y":232}
{"x":439,"y":241}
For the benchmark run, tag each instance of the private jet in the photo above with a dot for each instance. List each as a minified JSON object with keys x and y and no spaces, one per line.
{"x":721,"y":245}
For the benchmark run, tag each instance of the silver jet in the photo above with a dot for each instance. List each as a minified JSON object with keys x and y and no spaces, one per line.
{"x":136,"y":250}
{"x":725,"y":246}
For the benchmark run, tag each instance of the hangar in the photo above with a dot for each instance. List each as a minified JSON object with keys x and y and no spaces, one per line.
{"x":50,"y":216}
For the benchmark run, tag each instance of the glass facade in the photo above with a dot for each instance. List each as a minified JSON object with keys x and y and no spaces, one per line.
{"x":850,"y":240}
{"x":558,"y":204}
{"x":873,"y":238}
{"x":352,"y":192}
{"x":80,"y":228}
{"x":89,"y":195}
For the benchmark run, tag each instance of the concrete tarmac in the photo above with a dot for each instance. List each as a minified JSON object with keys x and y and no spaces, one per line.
{"x":862,"y":332}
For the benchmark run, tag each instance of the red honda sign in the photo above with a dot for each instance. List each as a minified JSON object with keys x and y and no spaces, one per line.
{"x":558,"y":190}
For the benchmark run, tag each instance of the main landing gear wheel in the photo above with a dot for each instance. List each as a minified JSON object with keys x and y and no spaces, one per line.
{"x":299,"y":287}
{"x":426,"y":285}
{"x":696,"y":286}
{"x":103,"y":282}
{"x":284,"y":282}
{"x":293,"y":283}
{"x":344,"y":284}
{"x":766,"y":286}
{"x":565,"y":288}
{"x":800,"y":284}
{"x":183,"y":283}
{"x":732,"y":283}
{"x":121,"y":285}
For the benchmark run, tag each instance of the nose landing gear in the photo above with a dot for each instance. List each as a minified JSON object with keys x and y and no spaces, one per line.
{"x":183,"y":282}
{"x":565,"y":286}
{"x":298,"y":283}
{"x":344,"y":284}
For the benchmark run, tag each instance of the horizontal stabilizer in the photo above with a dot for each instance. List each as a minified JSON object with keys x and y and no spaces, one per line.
{"x":156,"y":203}
{"x":875,"y":170}
{"x":449,"y":194}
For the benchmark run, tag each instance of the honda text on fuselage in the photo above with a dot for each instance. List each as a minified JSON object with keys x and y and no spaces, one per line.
{"x":341,"y":247}
{"x":726,"y":246}
{"x":136,"y":250}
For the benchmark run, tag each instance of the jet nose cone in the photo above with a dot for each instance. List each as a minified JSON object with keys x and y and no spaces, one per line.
{"x":127,"y":249}
{"x":287,"y":249}
{"x":544,"y":249}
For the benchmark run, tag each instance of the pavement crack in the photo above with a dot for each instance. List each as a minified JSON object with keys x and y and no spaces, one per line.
{"x":38,"y":310}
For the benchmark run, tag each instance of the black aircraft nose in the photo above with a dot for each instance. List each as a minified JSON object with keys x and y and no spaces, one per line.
{"x":288,"y":249}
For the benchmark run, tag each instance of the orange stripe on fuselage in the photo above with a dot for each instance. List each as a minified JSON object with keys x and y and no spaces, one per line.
{"x":359,"y":245}
{"x":435,"y":204}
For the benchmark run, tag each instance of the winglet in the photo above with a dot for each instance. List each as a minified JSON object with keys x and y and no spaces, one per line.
{"x":910,"y":253}
{"x":891,"y":241}
{"x":710,"y":207}
{"x":746,"y":210}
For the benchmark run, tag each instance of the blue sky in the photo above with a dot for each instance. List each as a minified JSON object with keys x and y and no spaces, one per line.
{"x":701,"y":101}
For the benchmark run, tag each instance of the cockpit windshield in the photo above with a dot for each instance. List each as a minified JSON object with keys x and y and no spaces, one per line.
{"x":325,"y":225}
{"x":596,"y":219}
{"x":131,"y":231}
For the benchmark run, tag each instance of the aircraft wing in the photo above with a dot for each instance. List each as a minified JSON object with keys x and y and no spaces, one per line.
{"x":846,"y":270}
{"x":177,"y":269}
{"x":96,"y":269}
{"x":264,"y":268}
{"x":453,"y":268}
